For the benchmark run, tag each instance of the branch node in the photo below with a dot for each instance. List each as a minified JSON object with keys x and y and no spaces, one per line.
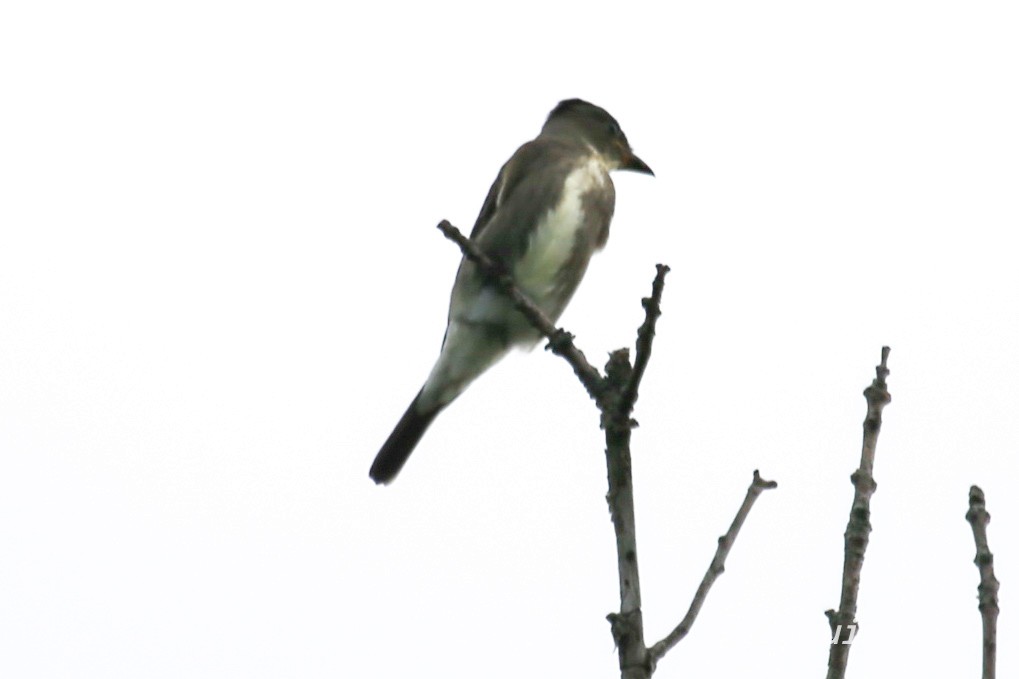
{"x":858,"y":528}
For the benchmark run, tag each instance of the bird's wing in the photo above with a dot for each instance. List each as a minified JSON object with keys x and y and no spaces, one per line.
{"x":491,"y":203}
{"x":528,"y":185}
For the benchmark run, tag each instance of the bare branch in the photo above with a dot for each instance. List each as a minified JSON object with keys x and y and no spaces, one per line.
{"x":615,"y":395}
{"x":560,"y":341}
{"x":645,"y":336}
{"x":987,"y":590}
{"x":628,"y":623}
{"x":716,"y":568}
{"x":843,"y":622}
{"x":621,"y":383}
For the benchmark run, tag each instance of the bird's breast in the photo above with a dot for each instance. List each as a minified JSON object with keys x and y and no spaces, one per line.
{"x":565,"y":237}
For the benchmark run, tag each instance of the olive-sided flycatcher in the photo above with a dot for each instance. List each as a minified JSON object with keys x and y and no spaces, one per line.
{"x":546,"y":214}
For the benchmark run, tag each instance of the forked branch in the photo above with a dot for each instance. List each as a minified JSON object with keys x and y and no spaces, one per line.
{"x":615,"y":394}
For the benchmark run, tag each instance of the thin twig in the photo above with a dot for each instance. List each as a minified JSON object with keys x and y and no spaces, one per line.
{"x":987,"y":590}
{"x":560,"y":341}
{"x":645,"y":335}
{"x":716,"y":568}
{"x":843,"y":622}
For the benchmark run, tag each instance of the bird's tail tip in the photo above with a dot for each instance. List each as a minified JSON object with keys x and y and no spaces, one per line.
{"x":401,"y":443}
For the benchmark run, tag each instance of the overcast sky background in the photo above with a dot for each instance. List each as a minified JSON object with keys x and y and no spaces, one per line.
{"x":220,"y":286}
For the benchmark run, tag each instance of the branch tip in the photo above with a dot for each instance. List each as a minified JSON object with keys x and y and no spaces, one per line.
{"x":987,"y":591}
{"x":761,"y":483}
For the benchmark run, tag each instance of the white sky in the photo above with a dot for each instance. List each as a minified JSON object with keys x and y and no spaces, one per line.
{"x":220,"y":286}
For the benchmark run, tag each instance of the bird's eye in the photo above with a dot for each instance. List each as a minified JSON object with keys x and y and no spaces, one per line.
{"x":614,"y":130}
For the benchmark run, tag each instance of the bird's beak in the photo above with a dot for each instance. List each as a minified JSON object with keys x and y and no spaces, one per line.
{"x":632,"y":162}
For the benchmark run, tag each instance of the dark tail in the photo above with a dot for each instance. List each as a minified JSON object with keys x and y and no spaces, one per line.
{"x":401,"y":443}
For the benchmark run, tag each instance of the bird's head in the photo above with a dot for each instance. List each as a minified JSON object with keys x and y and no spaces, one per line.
{"x":594,"y":125}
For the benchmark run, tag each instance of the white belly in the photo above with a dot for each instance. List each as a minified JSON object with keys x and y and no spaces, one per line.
{"x":552,"y":244}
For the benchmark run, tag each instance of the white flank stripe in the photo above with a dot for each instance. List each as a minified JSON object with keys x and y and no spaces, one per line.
{"x":551,"y":244}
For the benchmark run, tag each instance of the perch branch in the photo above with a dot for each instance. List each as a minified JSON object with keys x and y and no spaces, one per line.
{"x":615,"y":394}
{"x":560,"y":341}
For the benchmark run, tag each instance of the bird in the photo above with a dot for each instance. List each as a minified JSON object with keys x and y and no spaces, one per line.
{"x":546,"y":214}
